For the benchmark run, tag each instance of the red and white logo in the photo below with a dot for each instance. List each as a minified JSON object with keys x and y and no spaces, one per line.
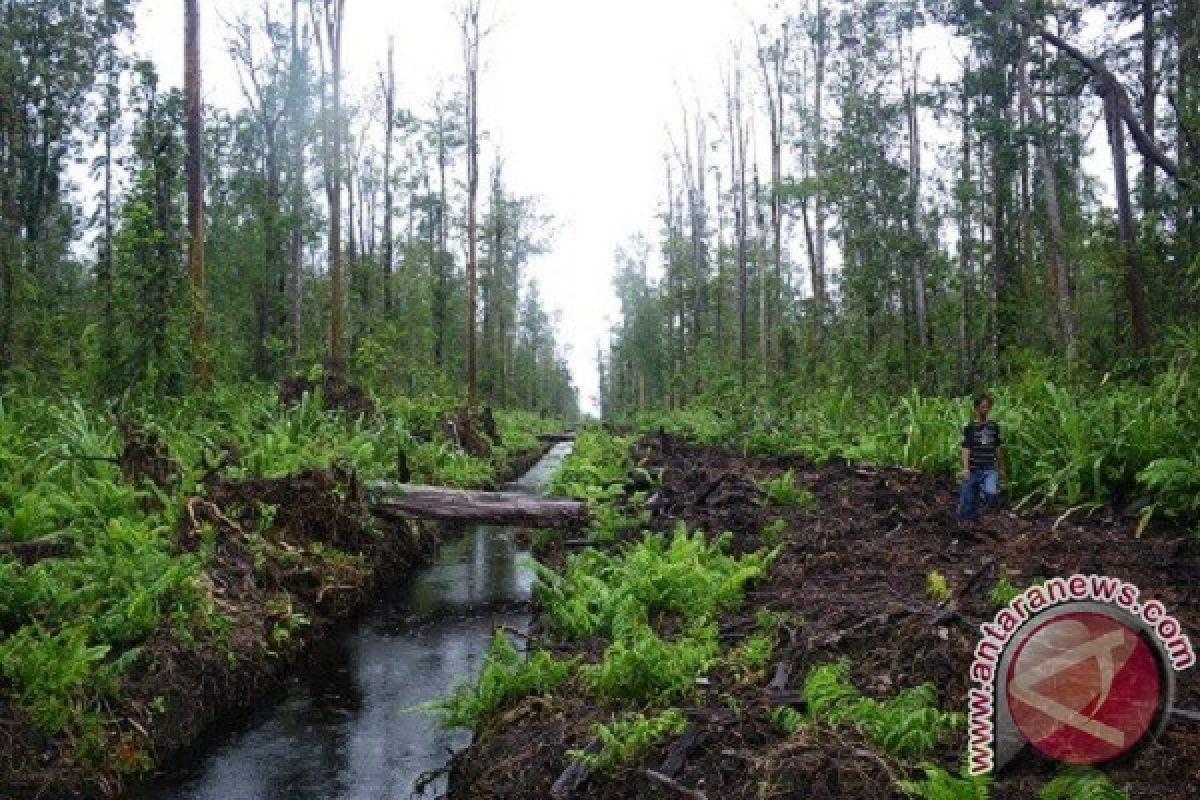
{"x":1083,"y":687}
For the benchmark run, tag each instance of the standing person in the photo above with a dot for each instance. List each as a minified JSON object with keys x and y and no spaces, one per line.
{"x":981,"y":463}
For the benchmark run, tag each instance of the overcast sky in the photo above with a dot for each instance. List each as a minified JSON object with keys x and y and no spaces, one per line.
{"x":575,"y":95}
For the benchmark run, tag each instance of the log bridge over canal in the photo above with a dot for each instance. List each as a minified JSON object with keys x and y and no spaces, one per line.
{"x":391,"y":500}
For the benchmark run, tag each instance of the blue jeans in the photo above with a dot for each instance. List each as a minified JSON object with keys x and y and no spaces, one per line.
{"x":983,"y":481}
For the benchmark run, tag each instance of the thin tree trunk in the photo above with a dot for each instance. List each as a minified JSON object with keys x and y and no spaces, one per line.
{"x":916,"y":265}
{"x":818,"y":259}
{"x":296,"y":243}
{"x":389,"y":125}
{"x":195,"y":193}
{"x":966,"y":376}
{"x":470,"y":30}
{"x":1057,"y":244}
{"x":1149,"y":95}
{"x":1134,"y":284}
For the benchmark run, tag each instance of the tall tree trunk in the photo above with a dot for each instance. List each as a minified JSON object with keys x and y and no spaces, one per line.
{"x":1060,"y":283}
{"x":818,"y":260}
{"x":1149,"y":95}
{"x":296,"y":241}
{"x":470,"y":32}
{"x":105,"y":271}
{"x":334,"y":16}
{"x":389,"y":126}
{"x":916,"y":260}
{"x":195,"y":192}
{"x":966,"y":273}
{"x":1134,"y":284}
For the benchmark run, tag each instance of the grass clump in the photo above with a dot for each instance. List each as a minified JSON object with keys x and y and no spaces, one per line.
{"x":627,"y":738}
{"x":505,"y":678}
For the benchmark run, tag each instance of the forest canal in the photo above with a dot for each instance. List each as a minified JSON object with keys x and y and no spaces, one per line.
{"x":348,"y":728}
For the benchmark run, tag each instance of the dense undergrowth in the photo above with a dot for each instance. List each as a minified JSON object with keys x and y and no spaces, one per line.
{"x":1109,"y":441}
{"x":73,"y":624}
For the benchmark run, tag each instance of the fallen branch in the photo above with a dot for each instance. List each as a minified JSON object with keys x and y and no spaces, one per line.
{"x":679,"y":751}
{"x":576,"y":773}
{"x":674,"y":786}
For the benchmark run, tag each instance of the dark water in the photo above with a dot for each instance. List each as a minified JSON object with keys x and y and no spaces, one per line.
{"x":348,"y":729}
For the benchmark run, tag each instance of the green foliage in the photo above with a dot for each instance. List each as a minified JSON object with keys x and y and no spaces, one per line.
{"x":685,"y":574}
{"x":936,"y":586}
{"x":71,"y":627}
{"x":505,"y":678}
{"x":628,"y":737}
{"x":1004,"y":591}
{"x":596,"y":467}
{"x":908,"y":725}
{"x":641,"y":667}
{"x":1074,"y":444}
{"x":941,"y":785}
{"x":783,"y":491}
{"x":1081,"y":783}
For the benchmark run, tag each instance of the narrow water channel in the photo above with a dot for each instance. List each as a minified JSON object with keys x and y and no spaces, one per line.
{"x":347,"y":728}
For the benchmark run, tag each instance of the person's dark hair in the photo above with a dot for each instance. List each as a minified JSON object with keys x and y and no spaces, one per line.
{"x":981,"y":398}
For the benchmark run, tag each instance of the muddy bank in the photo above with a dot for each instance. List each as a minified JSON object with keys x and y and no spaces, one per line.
{"x":288,"y":561}
{"x":852,"y":579}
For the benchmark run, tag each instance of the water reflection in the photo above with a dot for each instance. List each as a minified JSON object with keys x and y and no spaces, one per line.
{"x":348,"y":730}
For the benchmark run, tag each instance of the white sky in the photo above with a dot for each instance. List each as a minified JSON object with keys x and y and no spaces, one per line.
{"x":575,"y":95}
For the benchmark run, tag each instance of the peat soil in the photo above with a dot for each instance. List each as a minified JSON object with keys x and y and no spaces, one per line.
{"x":290,"y":559}
{"x":852,"y":572}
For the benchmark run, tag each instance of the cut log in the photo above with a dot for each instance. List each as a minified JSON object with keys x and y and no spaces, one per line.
{"x":555,"y":438}
{"x":415,"y":501}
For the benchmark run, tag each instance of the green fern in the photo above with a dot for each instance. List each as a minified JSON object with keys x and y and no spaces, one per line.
{"x":1081,"y":783}
{"x":941,"y":785}
{"x":627,"y":738}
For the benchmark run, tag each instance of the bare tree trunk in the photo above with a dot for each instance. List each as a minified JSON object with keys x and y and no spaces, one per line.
{"x":1134,"y":285}
{"x":760,"y":263}
{"x":916,"y":265}
{"x":773,"y":82}
{"x":742,"y":223}
{"x":719,"y":298}
{"x":1060,"y":282}
{"x":818,"y":249}
{"x":296,"y":243}
{"x":195,"y":193}
{"x":334,"y":15}
{"x":966,"y":370}
{"x":1149,"y":95}
{"x":105,"y":272}
{"x":389,"y":127}
{"x":470,"y":32}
